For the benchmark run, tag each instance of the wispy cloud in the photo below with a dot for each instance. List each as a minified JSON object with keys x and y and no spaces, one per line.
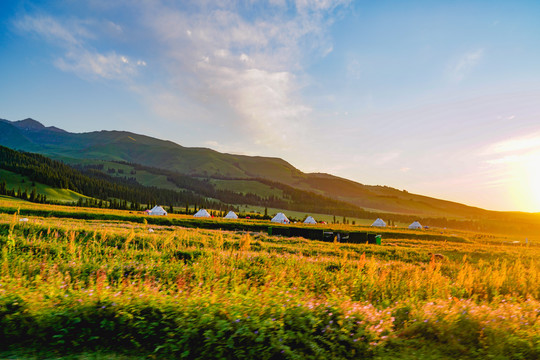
{"x":248,"y":65}
{"x":72,"y":36}
{"x":48,"y":28}
{"x":458,"y":70}
{"x":519,"y":145}
{"x":242,"y":61}
{"x":107,"y":66}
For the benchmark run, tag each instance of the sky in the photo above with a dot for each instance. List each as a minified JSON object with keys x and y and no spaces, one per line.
{"x":440,"y":98}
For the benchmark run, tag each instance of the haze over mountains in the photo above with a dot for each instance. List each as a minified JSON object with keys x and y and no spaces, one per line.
{"x":227,"y":169}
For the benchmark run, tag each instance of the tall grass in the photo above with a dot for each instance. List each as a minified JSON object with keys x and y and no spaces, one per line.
{"x":83,"y":285}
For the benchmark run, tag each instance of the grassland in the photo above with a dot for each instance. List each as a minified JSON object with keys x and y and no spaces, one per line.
{"x":112,"y":288}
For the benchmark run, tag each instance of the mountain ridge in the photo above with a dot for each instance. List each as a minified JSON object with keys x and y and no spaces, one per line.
{"x":115,"y":145}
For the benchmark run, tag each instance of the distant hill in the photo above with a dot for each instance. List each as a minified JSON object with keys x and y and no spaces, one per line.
{"x":228,"y":169}
{"x":96,"y":183}
{"x":48,"y":176}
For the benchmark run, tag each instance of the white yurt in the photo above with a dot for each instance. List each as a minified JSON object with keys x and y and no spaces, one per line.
{"x":310,"y":220}
{"x":157,"y":210}
{"x":231,"y":215}
{"x":202,"y":213}
{"x":379,"y":223}
{"x":415,"y":226}
{"x":280,"y":218}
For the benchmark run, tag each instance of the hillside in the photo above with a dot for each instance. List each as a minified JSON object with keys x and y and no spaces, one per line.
{"x":94,"y":182}
{"x":53,"y":177}
{"x":18,"y":181}
{"x":30,"y":135}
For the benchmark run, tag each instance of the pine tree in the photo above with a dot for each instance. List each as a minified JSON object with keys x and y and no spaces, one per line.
{"x":33,"y":195}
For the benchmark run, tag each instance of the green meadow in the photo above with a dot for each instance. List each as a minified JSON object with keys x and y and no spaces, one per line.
{"x":116,"y":287}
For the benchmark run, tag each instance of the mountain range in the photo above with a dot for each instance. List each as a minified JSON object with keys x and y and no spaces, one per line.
{"x":116,"y":150}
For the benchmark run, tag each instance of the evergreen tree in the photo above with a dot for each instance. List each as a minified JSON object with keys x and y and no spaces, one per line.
{"x":33,"y":195}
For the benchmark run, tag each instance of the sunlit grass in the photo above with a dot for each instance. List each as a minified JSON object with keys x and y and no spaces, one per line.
{"x":116,"y":286}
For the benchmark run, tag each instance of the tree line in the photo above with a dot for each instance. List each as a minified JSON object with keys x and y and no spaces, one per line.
{"x":116,"y":192}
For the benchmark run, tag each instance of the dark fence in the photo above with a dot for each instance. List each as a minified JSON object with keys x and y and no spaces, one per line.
{"x":330,"y":236}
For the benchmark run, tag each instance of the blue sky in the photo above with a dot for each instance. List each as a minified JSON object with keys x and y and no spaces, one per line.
{"x":438,"y":98}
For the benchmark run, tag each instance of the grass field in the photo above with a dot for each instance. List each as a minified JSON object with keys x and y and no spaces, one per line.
{"x":109,"y":288}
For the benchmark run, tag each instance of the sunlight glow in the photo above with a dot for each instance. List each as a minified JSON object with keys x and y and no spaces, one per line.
{"x":527,"y":181}
{"x":533,"y":169}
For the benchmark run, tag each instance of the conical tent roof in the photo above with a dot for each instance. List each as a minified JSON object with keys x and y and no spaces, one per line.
{"x":310,"y":220}
{"x":202,"y":213}
{"x":231,"y":215}
{"x":280,"y":218}
{"x":379,"y":223}
{"x":415,"y":225}
{"x":157,"y":210}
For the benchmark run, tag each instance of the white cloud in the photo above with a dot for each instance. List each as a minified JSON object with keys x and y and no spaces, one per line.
{"x":50,"y":29}
{"x":244,"y":66}
{"x":108,"y":66}
{"x":458,"y":70}
{"x":217,"y":56}
{"x":516,"y":146}
{"x":318,"y":5}
{"x":72,"y":36}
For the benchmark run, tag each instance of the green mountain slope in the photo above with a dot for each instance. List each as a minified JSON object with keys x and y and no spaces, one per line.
{"x":30,"y":135}
{"x":18,"y":181}
{"x":93,"y":181}
{"x":145,"y":150}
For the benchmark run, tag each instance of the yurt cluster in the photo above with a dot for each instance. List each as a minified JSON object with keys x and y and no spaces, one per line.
{"x":280,"y":218}
{"x":414,"y":226}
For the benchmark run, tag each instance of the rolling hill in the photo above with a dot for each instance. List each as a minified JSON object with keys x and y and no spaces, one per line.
{"x":226,"y":171}
{"x":16,"y":181}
